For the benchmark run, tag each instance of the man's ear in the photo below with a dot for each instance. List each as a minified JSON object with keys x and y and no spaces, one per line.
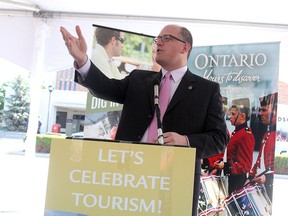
{"x":243,"y":115}
{"x":186,"y":48}
{"x":113,"y":40}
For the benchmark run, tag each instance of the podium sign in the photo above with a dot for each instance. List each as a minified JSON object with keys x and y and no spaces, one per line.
{"x":111,"y":178}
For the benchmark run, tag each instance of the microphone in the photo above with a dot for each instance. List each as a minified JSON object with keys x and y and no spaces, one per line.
{"x":156,"y":92}
{"x":157,"y":111}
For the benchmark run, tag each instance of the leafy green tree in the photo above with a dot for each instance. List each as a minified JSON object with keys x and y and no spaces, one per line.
{"x":17,"y":105}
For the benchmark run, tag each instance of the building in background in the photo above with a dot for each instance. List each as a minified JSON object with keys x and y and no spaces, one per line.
{"x":63,"y":105}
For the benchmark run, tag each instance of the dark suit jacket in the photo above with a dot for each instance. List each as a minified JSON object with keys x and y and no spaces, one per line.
{"x":195,"y":110}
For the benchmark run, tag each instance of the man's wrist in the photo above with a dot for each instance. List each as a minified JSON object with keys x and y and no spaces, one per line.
{"x":80,"y":63}
{"x":84,"y":69}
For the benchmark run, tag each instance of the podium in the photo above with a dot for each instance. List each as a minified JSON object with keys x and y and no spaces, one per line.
{"x":91,"y":177}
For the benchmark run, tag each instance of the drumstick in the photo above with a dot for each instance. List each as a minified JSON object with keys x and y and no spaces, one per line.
{"x":252,"y":180}
{"x":220,"y":160}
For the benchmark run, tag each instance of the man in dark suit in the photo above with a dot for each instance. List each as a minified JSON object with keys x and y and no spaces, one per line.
{"x":194,"y":116}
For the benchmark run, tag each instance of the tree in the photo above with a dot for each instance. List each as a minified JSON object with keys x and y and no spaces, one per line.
{"x":17,"y":105}
{"x":2,"y":97}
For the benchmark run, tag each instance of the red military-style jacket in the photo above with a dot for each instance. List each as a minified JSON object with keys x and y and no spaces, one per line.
{"x":268,"y":143}
{"x":240,"y":151}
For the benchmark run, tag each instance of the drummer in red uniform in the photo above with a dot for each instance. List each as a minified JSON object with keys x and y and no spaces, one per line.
{"x":240,"y":148}
{"x":208,"y":164}
{"x":265,"y":159}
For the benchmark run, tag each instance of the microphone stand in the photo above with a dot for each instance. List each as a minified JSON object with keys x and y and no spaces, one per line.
{"x":157,"y":112}
{"x":159,"y":125}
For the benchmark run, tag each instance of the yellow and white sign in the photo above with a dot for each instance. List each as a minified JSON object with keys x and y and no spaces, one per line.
{"x":111,"y":178}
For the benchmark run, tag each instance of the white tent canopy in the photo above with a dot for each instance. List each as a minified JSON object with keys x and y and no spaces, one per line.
{"x":22,"y":23}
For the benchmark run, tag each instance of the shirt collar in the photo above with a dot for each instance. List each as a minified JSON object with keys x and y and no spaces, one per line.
{"x":102,"y":51}
{"x":176,"y":74}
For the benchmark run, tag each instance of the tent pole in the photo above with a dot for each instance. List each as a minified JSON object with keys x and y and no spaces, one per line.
{"x":35,"y":87}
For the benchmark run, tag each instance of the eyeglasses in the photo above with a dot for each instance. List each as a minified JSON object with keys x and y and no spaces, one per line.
{"x":120,"y":39}
{"x":167,"y":37}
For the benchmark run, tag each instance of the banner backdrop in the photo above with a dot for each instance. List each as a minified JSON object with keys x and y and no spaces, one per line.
{"x":116,"y":59}
{"x":248,"y":78}
{"x":243,"y":71}
{"x":112,"y":178}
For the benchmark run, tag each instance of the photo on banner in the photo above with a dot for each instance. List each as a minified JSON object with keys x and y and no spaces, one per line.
{"x":116,"y":53}
{"x":248,"y":78}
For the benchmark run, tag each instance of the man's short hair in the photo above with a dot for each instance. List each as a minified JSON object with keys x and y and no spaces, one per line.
{"x":104,"y":35}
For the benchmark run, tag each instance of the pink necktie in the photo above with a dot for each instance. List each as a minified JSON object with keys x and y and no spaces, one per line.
{"x":163,"y":103}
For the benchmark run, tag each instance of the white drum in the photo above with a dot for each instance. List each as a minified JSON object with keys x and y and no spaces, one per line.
{"x":251,"y":200}
{"x":212,"y":195}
